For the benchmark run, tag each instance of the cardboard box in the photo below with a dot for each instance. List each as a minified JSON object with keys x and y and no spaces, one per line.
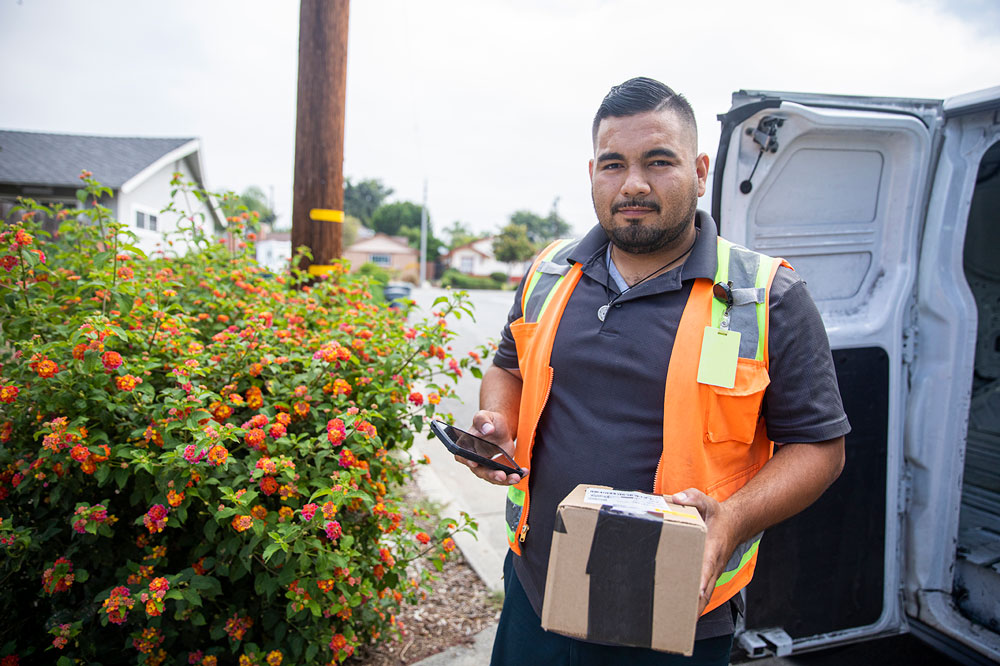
{"x":624,"y":569}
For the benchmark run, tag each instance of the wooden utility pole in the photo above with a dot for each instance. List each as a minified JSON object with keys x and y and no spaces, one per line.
{"x":318,"y":197}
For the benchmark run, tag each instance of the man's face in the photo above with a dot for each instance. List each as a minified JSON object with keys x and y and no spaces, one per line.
{"x":646,"y":177}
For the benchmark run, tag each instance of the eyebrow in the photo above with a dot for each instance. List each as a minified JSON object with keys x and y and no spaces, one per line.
{"x":607,"y":157}
{"x":655,"y":152}
{"x":660,"y":152}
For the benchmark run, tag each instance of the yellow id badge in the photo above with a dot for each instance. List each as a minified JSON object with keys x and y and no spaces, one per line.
{"x":720,"y":350}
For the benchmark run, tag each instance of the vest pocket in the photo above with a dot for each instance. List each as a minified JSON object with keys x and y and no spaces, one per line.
{"x":523,"y":333}
{"x":732,"y":414}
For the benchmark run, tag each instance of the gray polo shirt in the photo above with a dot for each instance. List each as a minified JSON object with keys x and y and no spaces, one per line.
{"x":603,"y":422}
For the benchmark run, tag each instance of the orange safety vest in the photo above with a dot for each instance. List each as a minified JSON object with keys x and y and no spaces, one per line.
{"x":713,"y":437}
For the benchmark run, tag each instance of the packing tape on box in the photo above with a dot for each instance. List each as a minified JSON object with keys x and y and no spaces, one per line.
{"x":622,"y":572}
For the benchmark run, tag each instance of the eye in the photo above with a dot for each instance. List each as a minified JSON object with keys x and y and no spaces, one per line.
{"x":660,"y":163}
{"x":610,"y":165}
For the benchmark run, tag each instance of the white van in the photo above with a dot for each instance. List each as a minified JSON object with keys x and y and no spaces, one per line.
{"x":890,"y":210}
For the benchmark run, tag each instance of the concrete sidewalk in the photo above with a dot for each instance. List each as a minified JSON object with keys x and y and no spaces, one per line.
{"x":455,"y":488}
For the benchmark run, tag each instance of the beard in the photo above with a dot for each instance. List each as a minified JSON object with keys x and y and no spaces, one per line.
{"x":646,"y":237}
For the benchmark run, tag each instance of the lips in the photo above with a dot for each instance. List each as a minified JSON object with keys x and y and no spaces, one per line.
{"x":635,"y":207}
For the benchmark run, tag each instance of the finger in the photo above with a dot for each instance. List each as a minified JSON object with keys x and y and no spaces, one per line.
{"x":483,"y":422}
{"x":471,"y":464}
{"x":693,"y":497}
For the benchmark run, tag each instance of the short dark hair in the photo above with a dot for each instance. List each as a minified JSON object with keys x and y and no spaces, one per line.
{"x":640,"y":95}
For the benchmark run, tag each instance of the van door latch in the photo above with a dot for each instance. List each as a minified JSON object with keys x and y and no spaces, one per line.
{"x":769,"y":642}
{"x":765,"y":136}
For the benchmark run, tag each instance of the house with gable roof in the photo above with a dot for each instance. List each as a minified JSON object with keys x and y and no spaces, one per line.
{"x":46,"y":167}
{"x":477,"y":259}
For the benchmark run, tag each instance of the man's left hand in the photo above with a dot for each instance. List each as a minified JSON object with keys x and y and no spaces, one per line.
{"x":719,"y":540}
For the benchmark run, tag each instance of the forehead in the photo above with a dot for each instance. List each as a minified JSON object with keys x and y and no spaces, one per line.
{"x":642,"y":131}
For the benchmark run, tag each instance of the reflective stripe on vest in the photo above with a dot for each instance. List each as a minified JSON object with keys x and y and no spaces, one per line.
{"x":548,"y":272}
{"x":747,"y":277}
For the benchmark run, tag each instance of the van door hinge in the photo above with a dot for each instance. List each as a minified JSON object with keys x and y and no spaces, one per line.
{"x":765,"y":136}
{"x":909,"y":345}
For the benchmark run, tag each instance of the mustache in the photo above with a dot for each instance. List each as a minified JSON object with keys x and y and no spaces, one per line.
{"x":635,"y":203}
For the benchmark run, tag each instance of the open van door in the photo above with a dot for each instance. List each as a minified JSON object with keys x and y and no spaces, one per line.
{"x":837,"y":186}
{"x":952,"y":525}
{"x":888,"y":209}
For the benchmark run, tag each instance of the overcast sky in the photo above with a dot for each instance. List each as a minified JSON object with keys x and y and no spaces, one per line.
{"x":490,"y":101}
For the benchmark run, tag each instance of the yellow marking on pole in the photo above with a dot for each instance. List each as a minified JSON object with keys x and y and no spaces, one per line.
{"x":326,"y":215}
{"x":318,"y":269}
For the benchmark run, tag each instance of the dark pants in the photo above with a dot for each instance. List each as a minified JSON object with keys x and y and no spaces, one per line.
{"x":521,"y":640}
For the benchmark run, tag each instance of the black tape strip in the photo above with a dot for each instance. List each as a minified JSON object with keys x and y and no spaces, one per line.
{"x":560,"y":525}
{"x":622,"y":569}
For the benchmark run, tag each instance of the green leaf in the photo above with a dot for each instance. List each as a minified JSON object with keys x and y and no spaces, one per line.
{"x":270,"y":550}
{"x":311,"y":652}
{"x":476,"y":372}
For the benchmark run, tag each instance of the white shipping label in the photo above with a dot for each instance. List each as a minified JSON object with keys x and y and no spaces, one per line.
{"x":625,"y":500}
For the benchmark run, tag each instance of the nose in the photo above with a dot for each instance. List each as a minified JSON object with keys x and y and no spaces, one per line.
{"x":635,"y":184}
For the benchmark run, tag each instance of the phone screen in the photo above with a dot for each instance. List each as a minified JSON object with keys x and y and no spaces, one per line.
{"x":476,"y":447}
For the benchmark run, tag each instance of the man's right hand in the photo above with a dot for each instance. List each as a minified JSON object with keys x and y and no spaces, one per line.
{"x":492,"y":426}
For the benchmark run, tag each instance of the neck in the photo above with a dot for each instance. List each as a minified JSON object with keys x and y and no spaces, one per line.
{"x":636,"y":267}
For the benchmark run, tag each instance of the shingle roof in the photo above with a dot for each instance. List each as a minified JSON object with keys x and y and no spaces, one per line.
{"x":34,"y":158}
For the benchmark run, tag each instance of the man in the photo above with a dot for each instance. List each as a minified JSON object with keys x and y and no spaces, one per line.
{"x":599,"y":379}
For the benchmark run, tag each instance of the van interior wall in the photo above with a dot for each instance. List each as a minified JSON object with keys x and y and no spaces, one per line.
{"x":977,"y":574}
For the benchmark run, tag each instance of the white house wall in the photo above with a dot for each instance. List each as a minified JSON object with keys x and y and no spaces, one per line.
{"x":152,"y":196}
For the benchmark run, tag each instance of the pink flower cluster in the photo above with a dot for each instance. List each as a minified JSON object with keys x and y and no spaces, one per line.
{"x":59,"y":577}
{"x":85,"y":514}
{"x":332,"y":529}
{"x":308,"y":511}
{"x":118,"y":604}
{"x":194,"y":454}
{"x":336,"y":431}
{"x":153,"y":599}
{"x":156,"y":518}
{"x":62,"y":632}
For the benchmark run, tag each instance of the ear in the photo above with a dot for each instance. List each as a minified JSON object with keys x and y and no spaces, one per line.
{"x":590,"y":170}
{"x":701,"y":167}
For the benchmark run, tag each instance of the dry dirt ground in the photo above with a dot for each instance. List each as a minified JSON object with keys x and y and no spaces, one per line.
{"x":457,"y":608}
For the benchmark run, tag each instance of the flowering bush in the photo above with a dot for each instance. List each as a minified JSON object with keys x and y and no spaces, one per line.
{"x":199,"y":460}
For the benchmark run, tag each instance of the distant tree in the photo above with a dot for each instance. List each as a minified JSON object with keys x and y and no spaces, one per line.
{"x":391,"y":218}
{"x":512,"y":245}
{"x":460,"y":234}
{"x":402,"y":218}
{"x":541,"y":229}
{"x":349,"y":231}
{"x":255,"y":200}
{"x":363,"y":198}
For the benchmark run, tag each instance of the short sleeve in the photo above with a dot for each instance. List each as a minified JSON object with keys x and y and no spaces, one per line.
{"x":802,"y":402}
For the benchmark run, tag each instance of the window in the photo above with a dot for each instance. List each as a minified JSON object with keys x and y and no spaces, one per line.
{"x":380,"y":259}
{"x":144,"y":220}
{"x":468,"y":264}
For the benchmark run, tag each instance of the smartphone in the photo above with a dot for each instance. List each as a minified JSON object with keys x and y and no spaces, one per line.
{"x":474,"y":448}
